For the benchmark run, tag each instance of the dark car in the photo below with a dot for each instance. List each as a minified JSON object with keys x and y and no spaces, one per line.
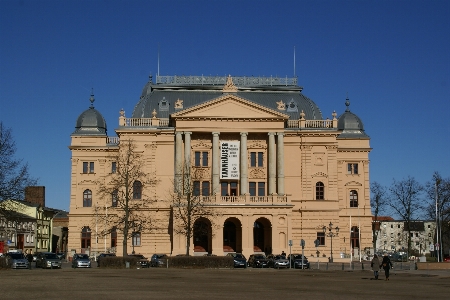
{"x":278,"y":261}
{"x":258,"y":261}
{"x":48,"y":260}
{"x":102,"y":255}
{"x":61,"y":255}
{"x":296,"y":261}
{"x":81,"y":261}
{"x":158,"y":260}
{"x":239,"y":260}
{"x":142,"y":260}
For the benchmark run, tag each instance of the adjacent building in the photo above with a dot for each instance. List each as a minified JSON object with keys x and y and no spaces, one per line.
{"x":265,"y":158}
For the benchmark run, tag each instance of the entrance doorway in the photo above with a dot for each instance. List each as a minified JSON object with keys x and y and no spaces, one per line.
{"x":262,"y":236}
{"x":202,"y":235}
{"x":232,"y":235}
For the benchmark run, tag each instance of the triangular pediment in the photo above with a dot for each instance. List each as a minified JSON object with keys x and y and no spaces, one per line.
{"x":229,"y":107}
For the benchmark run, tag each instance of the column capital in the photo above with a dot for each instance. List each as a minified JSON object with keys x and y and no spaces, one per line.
{"x":280,"y":133}
{"x":178,"y":132}
{"x":187,"y":132}
{"x":215,"y":133}
{"x":244,"y":133}
{"x":271,"y":133}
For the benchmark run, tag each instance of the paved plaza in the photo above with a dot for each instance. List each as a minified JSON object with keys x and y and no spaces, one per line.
{"x":161,"y":283}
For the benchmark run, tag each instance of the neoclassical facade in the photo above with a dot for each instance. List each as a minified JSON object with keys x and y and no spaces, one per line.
{"x":265,"y":159}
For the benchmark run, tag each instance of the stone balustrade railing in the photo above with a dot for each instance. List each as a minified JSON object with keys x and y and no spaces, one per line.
{"x":245,"y":199}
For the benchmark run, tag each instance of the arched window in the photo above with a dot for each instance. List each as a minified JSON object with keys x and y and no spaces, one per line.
{"x":85,"y":237}
{"x":137,"y":190}
{"x":320,"y":191}
{"x":114,"y":198}
{"x":353,"y":198}
{"x":87,"y":198}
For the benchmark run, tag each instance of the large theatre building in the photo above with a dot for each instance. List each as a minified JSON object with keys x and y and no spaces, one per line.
{"x":265,"y":162}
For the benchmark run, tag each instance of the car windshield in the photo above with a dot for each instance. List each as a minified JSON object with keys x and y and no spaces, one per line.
{"x":17,"y":255}
{"x":280,"y":257}
{"x":139,"y":256}
{"x":160,"y":255}
{"x":239,"y":256}
{"x":298,"y":256}
{"x":83,"y":256}
{"x":51,"y":256}
{"x":260,"y":256}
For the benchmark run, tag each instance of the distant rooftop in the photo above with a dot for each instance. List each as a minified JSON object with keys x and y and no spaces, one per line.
{"x":222,"y":80}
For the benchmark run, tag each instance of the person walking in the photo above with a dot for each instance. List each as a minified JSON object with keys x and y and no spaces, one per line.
{"x":30,"y":259}
{"x":386,"y":265}
{"x":375,"y":264}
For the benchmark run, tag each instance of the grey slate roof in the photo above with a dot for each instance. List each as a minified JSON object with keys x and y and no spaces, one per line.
{"x":153,"y":94}
{"x":90,"y":122}
{"x":351,"y":125}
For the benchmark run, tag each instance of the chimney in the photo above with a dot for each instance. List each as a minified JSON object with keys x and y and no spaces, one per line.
{"x":35,"y":194}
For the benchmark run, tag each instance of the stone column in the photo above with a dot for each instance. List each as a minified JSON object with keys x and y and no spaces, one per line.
{"x":280,"y":163}
{"x":178,"y":160}
{"x":215,"y":164}
{"x":272,"y":164}
{"x":244,"y":164}
{"x":187,"y":157}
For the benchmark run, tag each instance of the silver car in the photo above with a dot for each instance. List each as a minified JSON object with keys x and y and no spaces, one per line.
{"x":278,"y":261}
{"x":17,"y":260}
{"x":48,"y":260}
{"x":81,"y":261}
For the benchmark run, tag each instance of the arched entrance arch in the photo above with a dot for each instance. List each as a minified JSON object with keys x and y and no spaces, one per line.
{"x":232,"y":235}
{"x":262,"y":236}
{"x":202,"y":235}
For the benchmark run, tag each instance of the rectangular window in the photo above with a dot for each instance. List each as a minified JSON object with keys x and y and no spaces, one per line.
{"x":352,"y":169}
{"x":260,"y":159}
{"x":256,"y":159}
{"x":224,"y":189}
{"x":113,"y":167}
{"x":204,"y":159}
{"x":136,"y":238}
{"x":88,"y":167}
{"x":321,"y":238}
{"x":205,"y":188}
{"x":196,"y":188}
{"x":252,"y":188}
{"x":261,"y":188}
{"x":201,"y":159}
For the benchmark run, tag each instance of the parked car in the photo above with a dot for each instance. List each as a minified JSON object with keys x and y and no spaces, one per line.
{"x":142,"y":260}
{"x":447,"y":258}
{"x":158,"y":260}
{"x":61,"y":255}
{"x":239,"y":260}
{"x":102,"y":255}
{"x":81,"y":261}
{"x":47,"y":260}
{"x":258,"y":261}
{"x":17,"y":260}
{"x":278,"y":261}
{"x":296,"y":261}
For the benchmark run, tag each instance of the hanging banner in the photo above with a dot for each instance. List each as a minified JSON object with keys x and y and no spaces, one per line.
{"x":229,"y":160}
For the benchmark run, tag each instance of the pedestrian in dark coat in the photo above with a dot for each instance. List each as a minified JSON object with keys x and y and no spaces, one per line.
{"x":386,"y":265}
{"x":375,"y":264}
{"x":30,"y":260}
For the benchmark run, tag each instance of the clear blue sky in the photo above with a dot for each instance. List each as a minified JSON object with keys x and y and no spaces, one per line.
{"x":391,"y":57}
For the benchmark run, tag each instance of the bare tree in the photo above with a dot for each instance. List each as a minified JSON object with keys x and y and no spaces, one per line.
{"x":406,"y":201}
{"x":14,"y":175}
{"x":190,"y":203}
{"x":378,"y":205}
{"x":124,"y":193}
{"x":438,"y":192}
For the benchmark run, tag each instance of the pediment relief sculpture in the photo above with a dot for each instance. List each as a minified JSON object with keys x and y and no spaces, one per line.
{"x":281,"y":105}
{"x":257,"y":173}
{"x":353,"y":183}
{"x":202,"y":145}
{"x":229,"y":86}
{"x":319,"y":174}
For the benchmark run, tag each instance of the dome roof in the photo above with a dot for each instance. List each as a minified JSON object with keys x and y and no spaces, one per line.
{"x":350,"y":124}
{"x":90,"y":122}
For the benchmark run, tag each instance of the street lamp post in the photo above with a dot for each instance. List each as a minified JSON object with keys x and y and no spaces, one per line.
{"x":331,"y":234}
